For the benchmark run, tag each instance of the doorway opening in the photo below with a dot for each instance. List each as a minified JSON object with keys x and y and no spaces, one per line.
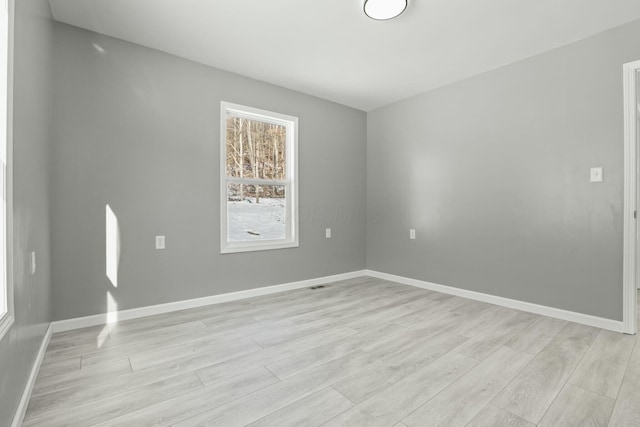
{"x":631,"y":76}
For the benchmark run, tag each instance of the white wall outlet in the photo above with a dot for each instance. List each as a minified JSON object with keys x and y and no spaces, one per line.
{"x":32,"y":260}
{"x":412,"y":234}
{"x":327,"y":233}
{"x":159,"y":242}
{"x":596,"y":174}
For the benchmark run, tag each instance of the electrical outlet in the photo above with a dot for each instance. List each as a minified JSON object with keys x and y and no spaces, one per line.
{"x":412,"y":234}
{"x":327,"y":233}
{"x":160,"y":242}
{"x":596,"y":174}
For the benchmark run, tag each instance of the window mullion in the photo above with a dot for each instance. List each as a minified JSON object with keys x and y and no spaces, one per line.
{"x":255,"y":181}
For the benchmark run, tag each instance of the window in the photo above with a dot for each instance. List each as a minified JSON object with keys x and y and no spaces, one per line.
{"x":6,"y":296}
{"x":258,"y":193}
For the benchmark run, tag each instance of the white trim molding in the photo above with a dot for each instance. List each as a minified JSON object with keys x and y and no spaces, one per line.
{"x":18,"y":418}
{"x":585,"y":319}
{"x":134,"y":313}
{"x":630,"y":239}
{"x":8,"y":317}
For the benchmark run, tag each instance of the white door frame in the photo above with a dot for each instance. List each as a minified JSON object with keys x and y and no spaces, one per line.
{"x":630,"y":239}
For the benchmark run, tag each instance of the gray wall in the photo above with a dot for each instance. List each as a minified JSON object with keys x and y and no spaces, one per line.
{"x":493,"y":173}
{"x":138,"y":129}
{"x":32,"y":127}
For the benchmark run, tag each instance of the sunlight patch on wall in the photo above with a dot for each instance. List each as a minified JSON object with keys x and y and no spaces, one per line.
{"x":98,"y":48}
{"x":113,"y":246}
{"x":112,"y":263}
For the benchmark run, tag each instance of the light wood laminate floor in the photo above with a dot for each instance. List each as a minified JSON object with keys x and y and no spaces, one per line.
{"x":363,"y":352}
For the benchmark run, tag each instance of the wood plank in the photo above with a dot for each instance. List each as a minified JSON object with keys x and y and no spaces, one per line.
{"x":577,"y":332}
{"x":93,"y":412}
{"x":391,"y":312}
{"x":63,"y":366}
{"x":635,"y":356}
{"x":535,"y":338}
{"x":313,"y":410}
{"x":148,"y":359}
{"x":397,"y":366}
{"x":493,"y":337}
{"x":602,"y":368}
{"x":226,"y":322}
{"x":84,"y":389}
{"x":181,"y":332}
{"x":225,"y":369}
{"x":399,"y":342}
{"x":435,"y":316}
{"x":86,"y":374}
{"x":75,"y":334}
{"x":370,"y":315}
{"x":531,"y":393}
{"x":471,"y":307}
{"x":492,"y":416}
{"x":270,"y":399}
{"x":319,"y":355}
{"x":400,"y":399}
{"x":347,"y":310}
{"x":464,"y":399}
{"x":276,"y":336}
{"x":298,"y":307}
{"x":576,"y":407}
{"x":627,"y":408}
{"x":195,"y":402}
{"x":484,"y":320}
{"x":180,"y":340}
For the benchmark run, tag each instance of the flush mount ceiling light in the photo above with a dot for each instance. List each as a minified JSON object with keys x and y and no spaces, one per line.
{"x":384,"y":9}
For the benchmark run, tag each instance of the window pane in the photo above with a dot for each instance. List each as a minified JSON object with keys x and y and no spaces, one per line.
{"x":255,"y":212}
{"x":255,"y":149}
{"x":3,"y":241}
{"x":4,"y":60}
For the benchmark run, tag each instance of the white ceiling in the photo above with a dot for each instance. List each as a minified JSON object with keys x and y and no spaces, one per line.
{"x":330,"y":49}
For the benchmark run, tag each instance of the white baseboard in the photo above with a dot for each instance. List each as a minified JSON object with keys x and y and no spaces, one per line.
{"x":134,"y":313}
{"x":585,"y":319}
{"x":18,"y":418}
{"x":104,"y":318}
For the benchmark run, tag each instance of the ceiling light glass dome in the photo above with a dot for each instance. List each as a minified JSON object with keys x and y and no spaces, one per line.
{"x":384,"y":9}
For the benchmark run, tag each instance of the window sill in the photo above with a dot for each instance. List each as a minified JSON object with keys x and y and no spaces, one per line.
{"x":232,"y":248}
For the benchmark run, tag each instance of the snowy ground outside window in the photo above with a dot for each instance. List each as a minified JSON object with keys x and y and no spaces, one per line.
{"x":250,"y":221}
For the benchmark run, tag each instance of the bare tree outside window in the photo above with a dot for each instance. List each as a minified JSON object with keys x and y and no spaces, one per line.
{"x":256,"y":150}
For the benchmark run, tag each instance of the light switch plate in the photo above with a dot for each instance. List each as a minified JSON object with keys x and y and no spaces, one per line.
{"x":412,"y":234}
{"x":596,"y":174}
{"x":159,"y":242}
{"x":327,"y":233}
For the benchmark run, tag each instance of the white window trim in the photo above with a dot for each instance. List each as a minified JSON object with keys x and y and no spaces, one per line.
{"x":7,"y":318}
{"x":291,"y":123}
